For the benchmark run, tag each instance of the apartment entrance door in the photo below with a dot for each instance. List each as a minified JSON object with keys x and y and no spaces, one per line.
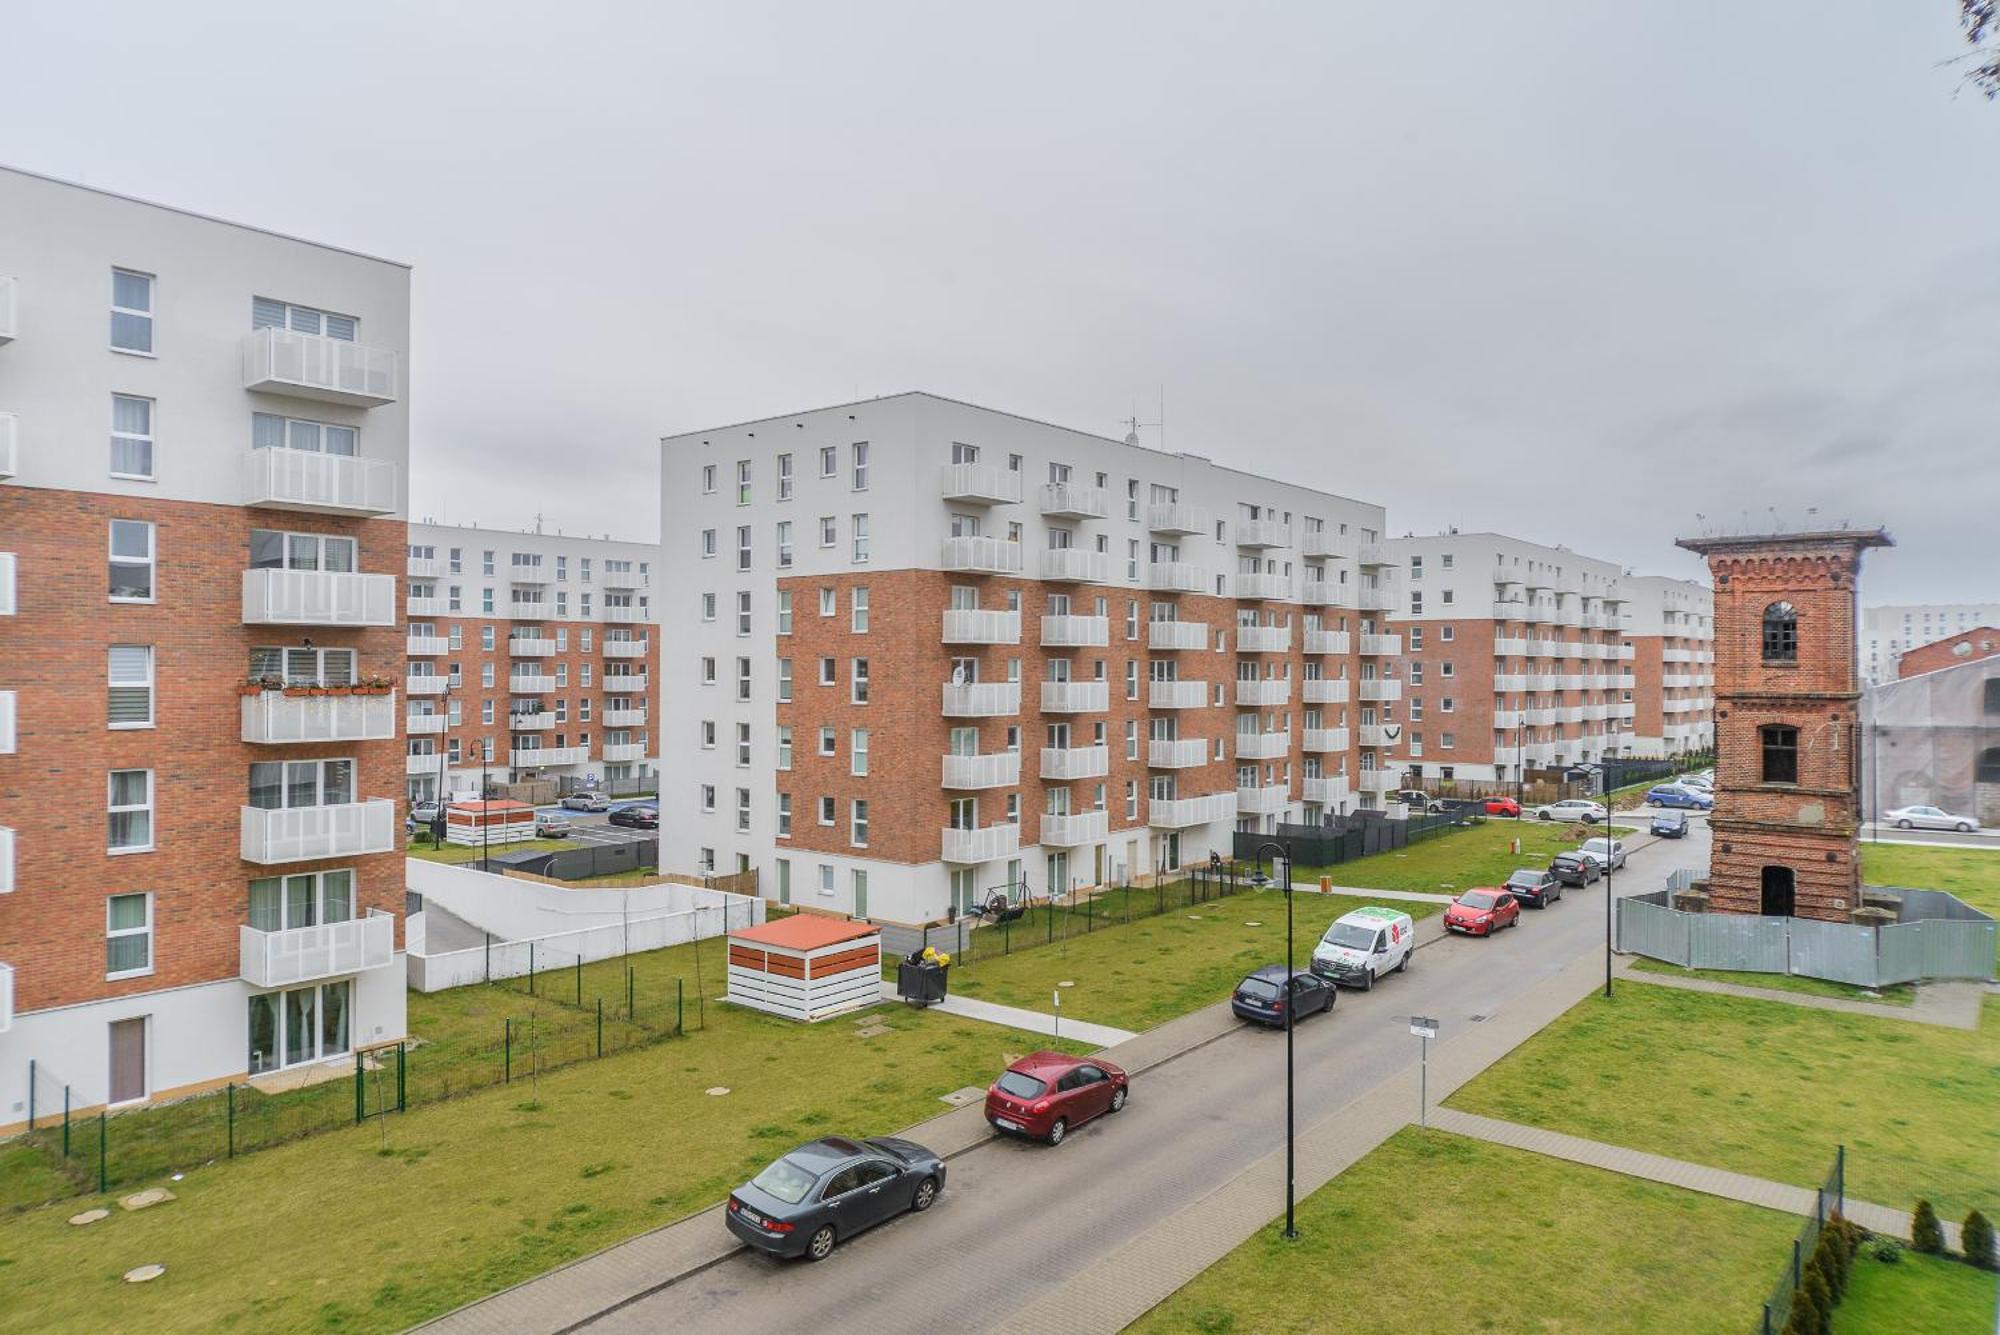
{"x":128,"y":1060}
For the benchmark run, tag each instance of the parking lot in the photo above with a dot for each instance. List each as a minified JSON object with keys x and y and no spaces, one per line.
{"x":595,"y":827}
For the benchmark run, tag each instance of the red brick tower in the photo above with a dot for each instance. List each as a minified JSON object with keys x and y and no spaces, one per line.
{"x":1787,"y":708}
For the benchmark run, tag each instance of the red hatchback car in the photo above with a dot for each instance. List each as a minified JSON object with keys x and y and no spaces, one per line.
{"x":1502,"y":806}
{"x":1482,"y":912}
{"x":1047,"y":1095}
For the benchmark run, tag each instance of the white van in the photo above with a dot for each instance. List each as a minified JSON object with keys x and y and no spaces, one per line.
{"x":1365,"y":944}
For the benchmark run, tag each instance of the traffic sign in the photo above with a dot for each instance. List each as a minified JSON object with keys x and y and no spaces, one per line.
{"x":1423,"y":1026}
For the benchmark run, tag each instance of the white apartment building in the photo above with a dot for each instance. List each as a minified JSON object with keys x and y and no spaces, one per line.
{"x":1670,"y":627}
{"x":1889,"y":631}
{"x":936,"y":649}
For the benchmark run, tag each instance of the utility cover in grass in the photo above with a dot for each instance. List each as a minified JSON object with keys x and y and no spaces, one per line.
{"x":90,"y":1216}
{"x":717,"y":1091}
{"x":144,"y":1273}
{"x":958,"y":1098}
{"x":139,"y":1200}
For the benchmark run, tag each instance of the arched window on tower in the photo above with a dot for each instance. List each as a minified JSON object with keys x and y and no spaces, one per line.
{"x":1781,"y":633}
{"x":1988,"y":769}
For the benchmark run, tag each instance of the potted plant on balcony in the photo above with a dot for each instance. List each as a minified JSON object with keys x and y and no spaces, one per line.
{"x":375,"y":686}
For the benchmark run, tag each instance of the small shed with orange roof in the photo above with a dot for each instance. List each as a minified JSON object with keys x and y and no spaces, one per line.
{"x":499,"y":821}
{"x":806,"y":967}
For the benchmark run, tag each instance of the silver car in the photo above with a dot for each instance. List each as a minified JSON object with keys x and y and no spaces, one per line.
{"x":1572,"y":808}
{"x":587,"y":802}
{"x":1929,"y":818}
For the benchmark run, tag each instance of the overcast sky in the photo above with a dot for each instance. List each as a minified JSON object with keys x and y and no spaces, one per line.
{"x":1577,"y":272}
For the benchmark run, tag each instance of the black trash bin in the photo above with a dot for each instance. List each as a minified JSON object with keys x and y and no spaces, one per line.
{"x":920,"y":982}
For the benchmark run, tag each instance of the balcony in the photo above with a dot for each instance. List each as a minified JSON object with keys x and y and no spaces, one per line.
{"x":1075,"y":632}
{"x":1379,"y":780}
{"x":1176,"y":694}
{"x":1174,"y":517}
{"x":1261,"y":534}
{"x":1509,"y":719}
{"x":988,"y":844}
{"x":9,"y":578}
{"x":420,"y":725}
{"x":1510,"y":646}
{"x":1382,"y":688}
{"x":9,"y":328}
{"x":1075,"y":565}
{"x":1063,"y":500}
{"x":1064,"y":763}
{"x":1378,"y":734}
{"x":1509,"y":609}
{"x":625,"y":648}
{"x":1545,"y":648}
{"x":1277,"y":691}
{"x":10,"y":462}
{"x":277,"y":719}
{"x":1176,"y":635}
{"x":1318,"y":544}
{"x":1265,"y":800}
{"x":312,"y":366}
{"x":1569,"y":616}
{"x":1375,"y":599}
{"x":625,"y":683}
{"x":980,"y":484}
{"x":1542,"y":718}
{"x":531,"y":720}
{"x":420,"y":763}
{"x":1176,"y":577}
{"x":1329,"y":791}
{"x":1178,"y":753}
{"x":6,"y":865}
{"x":434,"y":684}
{"x":318,"y":598}
{"x":1263,"y":639}
{"x":1382,"y":646}
{"x":1076,"y":697}
{"x":982,"y":699}
{"x":531,"y":646}
{"x":1072,"y":831}
{"x":534,"y":683}
{"x":547,"y":756}
{"x":614,"y":614}
{"x":1329,"y":642}
{"x":972,"y":625}
{"x":424,"y":606}
{"x":1322,"y":740}
{"x":623,"y":718}
{"x":1372,"y":555}
{"x":1683,"y":706}
{"x":1263,"y":745}
{"x":1624,"y":681}
{"x":423,"y":567}
{"x":996,"y":769}
{"x":610,"y":578}
{"x":304,"y":834}
{"x":1537,"y":753}
{"x":1260,"y":585}
{"x":1571,"y":681}
{"x":426,"y":646}
{"x":1542,"y":681}
{"x":1321,"y":593}
{"x":1596,"y":713}
{"x":1324,"y":691}
{"x":620,"y":752}
{"x":331,"y":484}
{"x":1677,"y":655}
{"x":1180,"y":813}
{"x":980,"y":556}
{"x":329,"y":950}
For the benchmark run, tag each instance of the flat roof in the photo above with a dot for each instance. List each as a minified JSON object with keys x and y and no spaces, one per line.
{"x":806,"y":931}
{"x":498,"y":804}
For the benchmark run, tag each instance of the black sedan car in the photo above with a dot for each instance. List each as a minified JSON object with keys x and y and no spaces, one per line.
{"x":638,"y":818}
{"x":1260,"y":998}
{"x":1575,"y":869}
{"x":1536,"y":889}
{"x":832,"y":1189}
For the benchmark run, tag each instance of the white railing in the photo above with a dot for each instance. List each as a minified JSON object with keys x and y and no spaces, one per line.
{"x":1541,"y":681}
{"x":10,"y":461}
{"x":284,"y":361}
{"x":1379,"y":780}
{"x":1261,"y":533}
{"x":1373,"y":554}
{"x":539,"y":720}
{"x":1076,"y":632}
{"x":423,"y":567}
{"x":1075,"y":565}
{"x":1321,"y":593}
{"x":1324,"y":690}
{"x":624,"y":718}
{"x":424,"y":605}
{"x":1262,"y":800}
{"x":1264,"y":639}
{"x":1174,"y":517}
{"x":527,"y":572}
{"x":1329,"y":790}
{"x":985,"y":483}
{"x":1596,"y":713}
{"x":522,"y":758}
{"x":991,"y":556}
{"x":616,"y":752}
{"x":1076,"y":697}
{"x":1176,"y":577}
{"x":274,"y":718}
{"x":328,"y":950}
{"x":1377,"y":734}
{"x":1541,"y":718}
{"x":1510,"y":646}
{"x":1510,"y":681}
{"x":1375,"y":599}
{"x":1176,"y":635}
{"x":318,"y":598}
{"x":432,"y":685}
{"x":989,"y":844}
{"x":9,"y":570}
{"x":531,"y":646}
{"x":1178,"y":813}
{"x":1382,"y":688}
{"x":616,"y":683}
{"x":1538,"y":648}
{"x":625,"y":648}
{"x":530,"y":683}
{"x":1319,"y":543}
{"x":1509,"y":718}
{"x":6,"y":860}
{"x":426,"y":646}
{"x":1085,"y":827}
{"x":981,"y":699}
{"x":622,"y":579}
{"x":1382,"y":646}
{"x":1179,"y":753}
{"x":1509,"y":609}
{"x":1263,"y":745}
{"x":617,"y":614}
{"x":1075,"y":762}
{"x":422,"y":725}
{"x":975,"y":625}
{"x":1328,"y":642}
{"x":1264,"y":692}
{"x":420,"y":762}
{"x":325,"y":483}
{"x":995,"y":769}
{"x":1064,"y":500}
{"x":1260,"y":585}
{"x":1176,"y":694}
{"x":9,"y":328}
{"x":1326,"y":739}
{"x":302,"y":834}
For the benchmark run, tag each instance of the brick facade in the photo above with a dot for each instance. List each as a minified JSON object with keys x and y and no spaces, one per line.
{"x":1965,"y":647}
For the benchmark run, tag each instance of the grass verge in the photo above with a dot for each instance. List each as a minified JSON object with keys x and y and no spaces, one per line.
{"x":1764,"y":1088}
{"x":1898,"y":994}
{"x":1434,"y":1232}
{"x":1973,"y":874}
{"x":1918,"y":1295}
{"x":1448,"y":863}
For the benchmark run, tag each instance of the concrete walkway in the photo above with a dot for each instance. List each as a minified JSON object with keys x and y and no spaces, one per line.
{"x":1673,"y":1172}
{"x":1033,"y":1022}
{"x":1950,"y":1005}
{"x":1364,"y":892}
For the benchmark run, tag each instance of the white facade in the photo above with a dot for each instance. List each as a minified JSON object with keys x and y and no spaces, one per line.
{"x":1888,"y":632}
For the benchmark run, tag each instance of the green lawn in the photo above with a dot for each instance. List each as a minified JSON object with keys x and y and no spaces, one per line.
{"x":1769,"y":1089}
{"x":1433,"y":1232}
{"x":1899,"y":994}
{"x":376,"y":1227}
{"x":1973,"y":874}
{"x":1448,"y":863}
{"x":1918,"y":1295}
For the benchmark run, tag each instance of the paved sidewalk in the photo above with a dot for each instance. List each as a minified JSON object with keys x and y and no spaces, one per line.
{"x":1674,"y":1172}
{"x":1951,"y":1005}
{"x":1366,"y":892}
{"x":1034,"y":1022}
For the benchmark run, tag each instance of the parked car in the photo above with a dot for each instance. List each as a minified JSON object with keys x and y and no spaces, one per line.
{"x":1670,"y":824}
{"x":1608,"y":853}
{"x":587,"y":802}
{"x":1260,"y":998}
{"x":1482,"y":912}
{"x":1363,"y":945}
{"x":1929,"y":818}
{"x":1575,"y":868}
{"x":637,"y":818}
{"x":1501,"y":806}
{"x":1704,"y":782}
{"x":832,"y":1189}
{"x":423,"y":813}
{"x":1049,"y":1094}
{"x":1538,"y":889}
{"x":552,"y":826}
{"x":1572,"y":808}
{"x":1679,"y":795}
{"x":1418,"y":799}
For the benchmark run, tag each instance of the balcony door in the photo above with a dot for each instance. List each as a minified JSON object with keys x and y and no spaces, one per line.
{"x":305,"y":1024}
{"x":284,"y":785}
{"x":286,"y":903}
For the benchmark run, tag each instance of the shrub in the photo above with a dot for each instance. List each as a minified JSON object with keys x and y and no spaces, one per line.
{"x":1926,"y":1234}
{"x":1803,"y":1319}
{"x":1820,"y":1294}
{"x":1975,"y":1237}
{"x":1830,"y":1253}
{"x":1888,"y":1249}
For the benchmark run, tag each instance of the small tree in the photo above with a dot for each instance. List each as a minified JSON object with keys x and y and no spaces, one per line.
{"x":1803,"y":1319}
{"x":1926,"y":1234}
{"x":1975,"y":1238}
{"x":1820,"y":1295}
{"x":1830,"y":1255}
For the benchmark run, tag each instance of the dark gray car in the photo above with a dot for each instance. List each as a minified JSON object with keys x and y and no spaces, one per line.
{"x":832,"y":1189}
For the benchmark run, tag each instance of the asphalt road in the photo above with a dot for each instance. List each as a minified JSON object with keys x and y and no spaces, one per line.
{"x":1988,"y":839}
{"x":1017,"y":1217}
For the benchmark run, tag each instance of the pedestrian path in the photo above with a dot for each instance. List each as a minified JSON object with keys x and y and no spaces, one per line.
{"x":1673,"y":1172}
{"x":1364,"y":892}
{"x":1951,"y":1005}
{"x":1014,"y":1017}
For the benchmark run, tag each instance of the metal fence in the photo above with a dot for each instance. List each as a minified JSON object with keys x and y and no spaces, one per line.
{"x":1828,"y":1200}
{"x":641,"y":785}
{"x":500,"y":961}
{"x":1937,"y":936}
{"x":581,"y":864}
{"x":1345,"y":838}
{"x":970,"y":939}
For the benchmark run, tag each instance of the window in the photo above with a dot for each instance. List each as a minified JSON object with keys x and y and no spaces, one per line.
{"x":486,"y":640}
{"x":784,"y":746}
{"x":131,"y":437}
{"x":708,"y":672}
{"x":708,"y":479}
{"x":486,"y":563}
{"x":1447,"y":740}
{"x":1447,"y":633}
{"x":857,"y":833}
{"x":707,"y":543}
{"x":708,"y":797}
{"x":826,"y":811}
{"x":784,"y":544}
{"x":128,"y":936}
{"x":1781,"y":633}
{"x":1416,"y":638}
{"x":1992,"y":689}
{"x":743,"y":679}
{"x":861,"y":465}
{"x":784,"y":477}
{"x":486,"y":676}
{"x":1780,"y":744}
{"x":1445,"y":705}
{"x":486,"y":712}
{"x":1987,"y":770}
{"x":268,"y":431}
{"x":784,"y":611}
{"x":857,"y":601}
{"x":130,"y":674}
{"x":829,"y":460}
{"x":1416,"y":602}
{"x":829,"y":531}
{"x":132,"y":311}
{"x":857,"y":751}
{"x":743,"y":612}
{"x":858,"y":681}
{"x":784,"y":815}
{"x":742,"y":810}
{"x":828,"y":602}
{"x":860,"y":538}
{"x":708,"y":607}
{"x":784,"y":681}
{"x":829,"y":671}
{"x":290,"y":784}
{"x":131,"y":561}
{"x":273,"y":549}
{"x":743,"y":547}
{"x":266,"y":313}
{"x":743,"y":745}
{"x":743,"y":482}
{"x":130,"y":803}
{"x":828,"y":741}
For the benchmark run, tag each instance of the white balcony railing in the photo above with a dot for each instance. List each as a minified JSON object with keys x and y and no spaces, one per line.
{"x":328,"y":950}
{"x":531,"y":646}
{"x":1179,"y":813}
{"x":422,"y":725}
{"x":1375,"y":598}
{"x":1264,"y":800}
{"x":619,"y":752}
{"x":424,"y":606}
{"x":1541,"y":718}
{"x":533,"y":683}
{"x":1379,"y":780}
{"x":1075,"y":762}
{"x":1324,"y":690}
{"x":1378,"y":734}
{"x":995,"y":769}
{"x":312,"y":366}
{"x":980,"y":484}
{"x":1177,"y":753}
{"x":6,"y":860}
{"x":1510,"y":609}
{"x":1326,"y":739}
{"x":531,"y":720}
{"x":988,"y":844}
{"x":1264,"y":692}
{"x":433,"y":684}
{"x":10,"y":431}
{"x":1322,"y":593}
{"x":1176,"y":694}
{"x":1509,"y":646}
{"x":1076,"y":632}
{"x":9,"y":328}
{"x":419,"y":762}
{"x":1176,"y":577}
{"x":1382,"y":688}
{"x":274,"y":718}
{"x":1176,"y":635}
{"x":1327,"y":790}
{"x":1064,"y":500}
{"x":624,"y":683}
{"x":1260,"y":585}
{"x":1074,"y":565}
{"x":426,"y":646}
{"x":1509,"y":719}
{"x":1328,"y":642}
{"x":319,"y":483}
{"x":547,"y":756}
{"x":1173,"y":517}
{"x":974,"y":625}
{"x":1317,"y":544}
{"x":423,"y":567}
{"x":1510,"y":681}
{"x":619,"y":614}
{"x":528,"y":574}
{"x":9,"y":574}
{"x":624,"y":718}
{"x":1076,"y":697}
{"x":1264,"y":639}
{"x":1371,"y":554}
{"x":1263,"y":745}
{"x":988,"y":556}
{"x":1382,"y":646}
{"x":1072,"y":831}
{"x":303,"y":834}
{"x":1261,"y":533}
{"x":981,"y":699}
{"x":625,"y":648}
{"x":318,"y":598}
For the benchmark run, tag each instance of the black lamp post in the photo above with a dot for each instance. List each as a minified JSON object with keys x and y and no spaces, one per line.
{"x":1284,"y":856}
{"x":1604,"y":772}
{"x":444,"y":747}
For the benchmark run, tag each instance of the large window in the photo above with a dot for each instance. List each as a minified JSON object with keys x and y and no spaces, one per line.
{"x":1781,"y":633}
{"x":265,"y":313}
{"x":283,"y":903}
{"x":268,"y":431}
{"x":1780,"y":744}
{"x":313,"y":667}
{"x":131,"y":311}
{"x":131,"y":561}
{"x":130,"y":673}
{"x":129,"y":802}
{"x":274,"y":550}
{"x":128,"y":936}
{"x":276,"y":784}
{"x":303,"y":1025}
{"x":131,"y":437}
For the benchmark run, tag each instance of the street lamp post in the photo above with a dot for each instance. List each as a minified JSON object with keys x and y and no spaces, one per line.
{"x":1284,"y":856}
{"x":1604,"y":771}
{"x":444,"y":746}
